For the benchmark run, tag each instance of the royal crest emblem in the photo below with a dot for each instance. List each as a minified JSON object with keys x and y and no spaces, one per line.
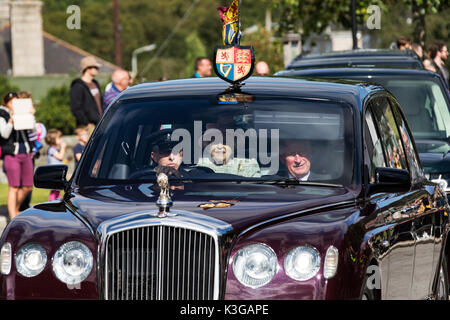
{"x":234,"y":63}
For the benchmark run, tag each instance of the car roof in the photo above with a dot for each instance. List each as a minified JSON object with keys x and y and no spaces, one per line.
{"x":357,"y":72}
{"x":332,"y":90}
{"x":359,"y":52}
{"x":359,"y":58}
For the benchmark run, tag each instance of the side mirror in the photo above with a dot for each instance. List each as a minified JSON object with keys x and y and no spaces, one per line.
{"x":390,"y":180}
{"x":51,"y":177}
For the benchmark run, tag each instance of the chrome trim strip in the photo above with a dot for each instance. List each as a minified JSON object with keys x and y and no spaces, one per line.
{"x":183,"y":219}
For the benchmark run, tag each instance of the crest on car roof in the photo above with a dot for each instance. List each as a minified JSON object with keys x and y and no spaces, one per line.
{"x":232,"y":62}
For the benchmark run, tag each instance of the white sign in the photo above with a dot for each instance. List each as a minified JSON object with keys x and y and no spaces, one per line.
{"x":23,"y":118}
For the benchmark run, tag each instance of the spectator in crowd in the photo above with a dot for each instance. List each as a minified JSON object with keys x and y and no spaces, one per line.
{"x":438,"y":55}
{"x":202,"y":68}
{"x":417,"y":48}
{"x":16,"y":154}
{"x":55,"y":154}
{"x":427,"y":63}
{"x":86,"y":101}
{"x":403,"y":43}
{"x":32,"y":137}
{"x":121,"y":80}
{"x":262,"y":69}
{"x":83,"y":138}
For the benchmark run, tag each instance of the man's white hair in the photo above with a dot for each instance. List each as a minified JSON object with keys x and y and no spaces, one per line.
{"x":118,"y":75}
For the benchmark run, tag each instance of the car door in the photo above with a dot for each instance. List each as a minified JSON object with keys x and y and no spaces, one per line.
{"x":397,"y":266}
{"x":426,"y":223}
{"x":374,"y":157}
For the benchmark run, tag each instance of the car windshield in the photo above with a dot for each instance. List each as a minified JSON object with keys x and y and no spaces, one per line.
{"x":425,"y":106}
{"x":260,"y":138}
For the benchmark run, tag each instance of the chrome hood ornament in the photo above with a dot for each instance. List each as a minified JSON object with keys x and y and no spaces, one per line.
{"x":164,"y":201}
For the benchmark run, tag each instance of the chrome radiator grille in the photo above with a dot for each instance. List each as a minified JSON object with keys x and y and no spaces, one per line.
{"x":160,"y":263}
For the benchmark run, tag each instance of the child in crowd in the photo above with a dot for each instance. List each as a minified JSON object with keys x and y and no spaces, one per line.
{"x":83,"y":138}
{"x":55,"y":156}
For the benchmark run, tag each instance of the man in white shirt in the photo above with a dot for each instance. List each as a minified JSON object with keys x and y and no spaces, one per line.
{"x":296,"y":155}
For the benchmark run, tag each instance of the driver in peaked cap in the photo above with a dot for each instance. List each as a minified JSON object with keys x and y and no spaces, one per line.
{"x":167,"y":159}
{"x":163,"y":155}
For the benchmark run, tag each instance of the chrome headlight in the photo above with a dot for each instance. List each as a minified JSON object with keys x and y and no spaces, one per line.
{"x":72,"y":263}
{"x":302,"y":263}
{"x":31,"y":260}
{"x":5,"y":255}
{"x":255,"y":265}
{"x":331,"y":263}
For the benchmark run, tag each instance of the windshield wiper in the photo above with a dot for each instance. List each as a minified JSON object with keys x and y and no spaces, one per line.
{"x":278,"y":182}
{"x":295,"y":182}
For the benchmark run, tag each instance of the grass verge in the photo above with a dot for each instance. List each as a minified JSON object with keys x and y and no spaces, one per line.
{"x":38,"y":195}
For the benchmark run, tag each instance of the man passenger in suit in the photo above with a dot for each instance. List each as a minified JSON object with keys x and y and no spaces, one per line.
{"x":296,"y":157}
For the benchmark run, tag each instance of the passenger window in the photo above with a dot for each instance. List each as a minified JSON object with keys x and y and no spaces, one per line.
{"x":411,"y":153}
{"x":374,"y":150}
{"x":390,"y":137}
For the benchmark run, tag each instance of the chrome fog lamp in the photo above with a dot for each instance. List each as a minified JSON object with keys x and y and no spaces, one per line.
{"x":31,"y":260}
{"x":331,"y":263}
{"x":255,"y":265}
{"x":6,"y":254}
{"x":302,"y":263}
{"x":72,"y":263}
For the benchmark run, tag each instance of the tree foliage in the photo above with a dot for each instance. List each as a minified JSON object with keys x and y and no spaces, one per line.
{"x":54,"y":110}
{"x":420,"y":10}
{"x":266,"y":48}
{"x":144,"y":22}
{"x":314,"y":16}
{"x":180,"y":38}
{"x":6,"y":86}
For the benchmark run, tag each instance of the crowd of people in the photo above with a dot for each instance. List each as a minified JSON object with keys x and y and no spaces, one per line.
{"x":433,"y":59}
{"x":20,"y":146}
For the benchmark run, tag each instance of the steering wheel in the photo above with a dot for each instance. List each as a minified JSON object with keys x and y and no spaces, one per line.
{"x":143,"y":172}
{"x":150,"y":171}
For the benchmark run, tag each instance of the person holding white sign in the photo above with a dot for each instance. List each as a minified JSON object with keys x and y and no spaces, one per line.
{"x":16,"y":150}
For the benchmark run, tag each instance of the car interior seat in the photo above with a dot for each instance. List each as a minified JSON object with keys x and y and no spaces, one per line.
{"x":413,"y":104}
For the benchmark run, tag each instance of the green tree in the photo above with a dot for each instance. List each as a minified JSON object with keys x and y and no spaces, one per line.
{"x":6,"y":86}
{"x":420,"y":9}
{"x":145,"y":22}
{"x":54,"y":110}
{"x":267,"y":48}
{"x":194,"y":49}
{"x":314,"y":16}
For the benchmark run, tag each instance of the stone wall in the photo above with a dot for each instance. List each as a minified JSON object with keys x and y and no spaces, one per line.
{"x":4,"y":12}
